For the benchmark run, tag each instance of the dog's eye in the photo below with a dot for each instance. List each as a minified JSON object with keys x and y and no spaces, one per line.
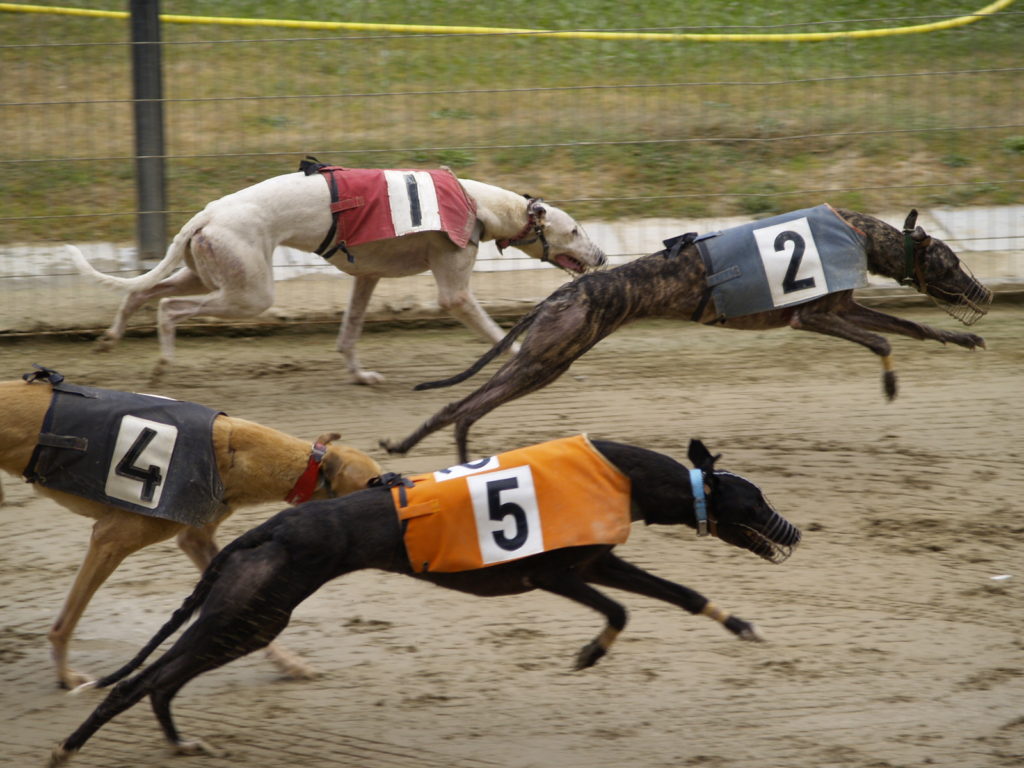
{"x":575,"y":231}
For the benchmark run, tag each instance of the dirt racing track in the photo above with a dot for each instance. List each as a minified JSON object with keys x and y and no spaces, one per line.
{"x":894,"y":632}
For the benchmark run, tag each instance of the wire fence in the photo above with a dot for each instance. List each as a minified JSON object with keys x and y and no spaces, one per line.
{"x":639,"y":138}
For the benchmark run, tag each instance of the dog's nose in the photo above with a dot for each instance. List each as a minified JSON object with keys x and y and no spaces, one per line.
{"x":601,"y":259}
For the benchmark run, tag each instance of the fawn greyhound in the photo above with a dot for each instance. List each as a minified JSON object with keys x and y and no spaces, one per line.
{"x":254,"y":464}
{"x":248,"y":592}
{"x":674,"y":283}
{"x":369,"y":223}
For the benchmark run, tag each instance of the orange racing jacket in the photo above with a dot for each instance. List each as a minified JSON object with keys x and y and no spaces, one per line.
{"x":552,"y":495}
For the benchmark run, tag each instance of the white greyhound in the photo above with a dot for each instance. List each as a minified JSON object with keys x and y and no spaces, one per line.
{"x":228,"y":246}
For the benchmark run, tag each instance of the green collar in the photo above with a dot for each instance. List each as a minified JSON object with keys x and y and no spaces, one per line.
{"x":909,"y":261}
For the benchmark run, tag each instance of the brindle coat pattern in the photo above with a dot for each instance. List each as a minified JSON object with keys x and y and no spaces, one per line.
{"x":246,"y":596}
{"x":579,"y":314}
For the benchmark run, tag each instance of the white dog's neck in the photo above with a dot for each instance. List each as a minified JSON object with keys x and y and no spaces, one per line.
{"x":501,"y":211}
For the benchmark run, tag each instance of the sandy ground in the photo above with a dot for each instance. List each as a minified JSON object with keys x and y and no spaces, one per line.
{"x":890,"y":641}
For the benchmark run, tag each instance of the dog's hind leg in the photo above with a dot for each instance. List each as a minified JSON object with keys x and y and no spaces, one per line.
{"x":194,"y":746}
{"x":123,"y":696}
{"x":352,"y":328}
{"x":201,"y":546}
{"x":612,"y":571}
{"x":220,"y":303}
{"x":161,"y":681}
{"x":160,"y":700}
{"x":183,"y":282}
{"x":248,"y":605}
{"x":238,"y":285}
{"x":513,"y":380}
{"x":557,"y":338}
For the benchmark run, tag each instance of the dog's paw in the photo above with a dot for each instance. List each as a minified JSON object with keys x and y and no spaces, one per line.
{"x":59,"y":756}
{"x":743,"y":629}
{"x":393,"y":448}
{"x":196,"y":747}
{"x":973,"y":341}
{"x":296,"y":669}
{"x":163,"y":365}
{"x":104,"y":344}
{"x":589,"y":655}
{"x":74,"y":681}
{"x":368,"y":378}
{"x":751,"y":634}
{"x":889,"y":385}
{"x":291,"y":665}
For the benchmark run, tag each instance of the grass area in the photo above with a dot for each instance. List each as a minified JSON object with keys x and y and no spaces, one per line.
{"x":611,"y":128}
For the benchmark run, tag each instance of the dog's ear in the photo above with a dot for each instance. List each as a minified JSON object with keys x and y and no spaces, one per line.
{"x":920,"y":237}
{"x":537,"y":209}
{"x":346,"y":469}
{"x":701,"y":457}
{"x":328,"y":437}
{"x":911,"y":221}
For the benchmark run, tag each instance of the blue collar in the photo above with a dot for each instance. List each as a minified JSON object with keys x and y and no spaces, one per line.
{"x":700,"y":501}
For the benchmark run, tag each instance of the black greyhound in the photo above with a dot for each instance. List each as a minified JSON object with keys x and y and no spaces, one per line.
{"x":247,"y":594}
{"x":674,"y":284}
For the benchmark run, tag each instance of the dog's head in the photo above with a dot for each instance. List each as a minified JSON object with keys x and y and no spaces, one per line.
{"x":560,"y":239}
{"x":344,"y":469}
{"x":931,"y":266}
{"x":739,"y":513}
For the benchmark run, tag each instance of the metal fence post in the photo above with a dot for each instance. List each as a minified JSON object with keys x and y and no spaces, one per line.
{"x":147,"y":85}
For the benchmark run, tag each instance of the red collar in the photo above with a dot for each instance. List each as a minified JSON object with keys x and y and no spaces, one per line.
{"x":505,"y":242}
{"x":305,"y":486}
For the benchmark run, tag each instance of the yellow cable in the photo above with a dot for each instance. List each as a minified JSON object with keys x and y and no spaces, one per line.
{"x":424,"y":29}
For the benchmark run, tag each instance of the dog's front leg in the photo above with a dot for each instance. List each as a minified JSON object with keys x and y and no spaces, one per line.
{"x":873,"y":320}
{"x":612,"y":571}
{"x":352,"y":327}
{"x":568,"y":584}
{"x":832,"y":324}
{"x":455,"y":297}
{"x":465,"y":308}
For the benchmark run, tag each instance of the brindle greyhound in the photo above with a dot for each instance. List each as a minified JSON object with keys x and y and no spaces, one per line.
{"x":673,"y":285}
{"x":246,"y":596}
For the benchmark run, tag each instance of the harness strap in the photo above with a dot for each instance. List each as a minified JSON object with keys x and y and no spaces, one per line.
{"x":326,"y":250}
{"x":391,"y":480}
{"x":306,"y":485}
{"x":700,"y":501}
{"x":698,"y":313}
{"x":321,"y":250}
{"x":673,"y":246}
{"x":43,"y":373}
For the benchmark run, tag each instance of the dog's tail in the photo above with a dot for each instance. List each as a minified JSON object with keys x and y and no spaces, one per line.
{"x":174,"y":256}
{"x":515,"y":332}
